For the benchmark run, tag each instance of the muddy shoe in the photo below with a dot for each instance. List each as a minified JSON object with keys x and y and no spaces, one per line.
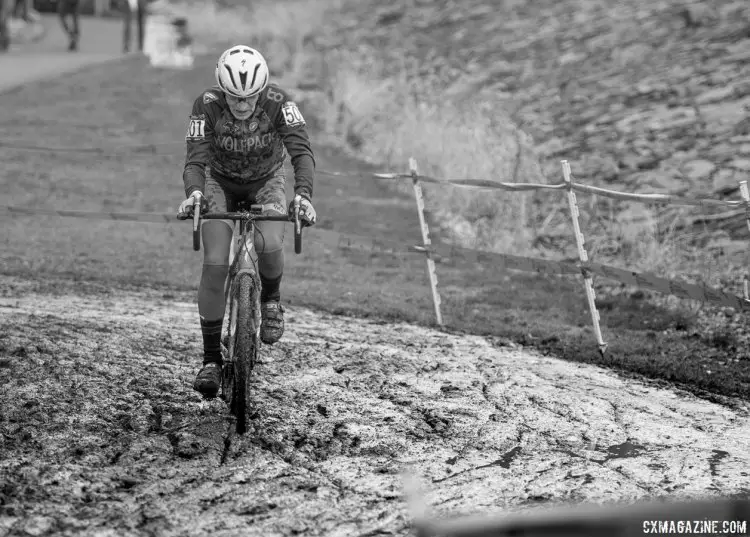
{"x":208,"y":380}
{"x":272,"y":324}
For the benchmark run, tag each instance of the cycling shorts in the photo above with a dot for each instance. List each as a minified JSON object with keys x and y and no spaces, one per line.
{"x":223,"y":197}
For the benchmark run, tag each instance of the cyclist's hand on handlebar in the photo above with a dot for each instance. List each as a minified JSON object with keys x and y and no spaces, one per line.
{"x":186,"y":207}
{"x":306,"y":210}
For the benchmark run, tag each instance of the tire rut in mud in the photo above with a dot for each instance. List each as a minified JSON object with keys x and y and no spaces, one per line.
{"x":102,"y":434}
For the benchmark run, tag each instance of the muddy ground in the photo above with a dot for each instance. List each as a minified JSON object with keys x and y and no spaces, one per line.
{"x":101,"y":433}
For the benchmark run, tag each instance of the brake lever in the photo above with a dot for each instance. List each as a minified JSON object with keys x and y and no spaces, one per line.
{"x":297,"y":221}
{"x":297,"y":227}
{"x":196,"y":223}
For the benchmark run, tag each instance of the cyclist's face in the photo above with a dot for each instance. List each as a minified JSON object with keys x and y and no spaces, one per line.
{"x":241,"y":108}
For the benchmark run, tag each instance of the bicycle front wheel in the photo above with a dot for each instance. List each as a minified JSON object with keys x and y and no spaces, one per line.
{"x":245,"y":345}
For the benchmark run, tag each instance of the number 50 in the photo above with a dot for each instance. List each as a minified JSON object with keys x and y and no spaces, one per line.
{"x":292,"y":115}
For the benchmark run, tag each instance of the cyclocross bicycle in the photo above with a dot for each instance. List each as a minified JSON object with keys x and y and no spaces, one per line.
{"x":241,"y":338}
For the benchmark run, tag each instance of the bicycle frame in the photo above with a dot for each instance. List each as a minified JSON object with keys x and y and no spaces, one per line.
{"x":242,"y":247}
{"x":241,"y":260}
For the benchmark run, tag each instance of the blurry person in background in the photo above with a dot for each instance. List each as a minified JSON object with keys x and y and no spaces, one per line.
{"x":183,"y":37}
{"x":183,"y":53}
{"x":139,"y":9}
{"x":21,"y":10}
{"x":69,"y":8}
{"x":5,"y":9}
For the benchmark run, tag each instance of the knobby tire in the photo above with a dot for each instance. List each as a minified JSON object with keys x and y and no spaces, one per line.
{"x":244,"y":346}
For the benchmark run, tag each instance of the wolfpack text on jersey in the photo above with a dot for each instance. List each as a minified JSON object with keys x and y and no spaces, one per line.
{"x":242,"y":151}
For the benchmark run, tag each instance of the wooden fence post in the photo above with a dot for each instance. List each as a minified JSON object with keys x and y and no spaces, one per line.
{"x":426,"y":240}
{"x":588,"y":282}
{"x":746,"y":198}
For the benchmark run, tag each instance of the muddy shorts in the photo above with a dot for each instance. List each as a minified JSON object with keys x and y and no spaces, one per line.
{"x":223,"y":197}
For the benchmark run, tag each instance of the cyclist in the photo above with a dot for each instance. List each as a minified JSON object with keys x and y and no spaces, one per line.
{"x":65,"y":8}
{"x":238,"y":136}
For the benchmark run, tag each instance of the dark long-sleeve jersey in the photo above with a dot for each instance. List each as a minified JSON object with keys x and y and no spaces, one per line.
{"x":239,"y":152}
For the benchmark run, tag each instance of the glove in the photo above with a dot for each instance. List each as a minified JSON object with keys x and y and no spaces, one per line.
{"x":306,"y":210}
{"x":186,"y":207}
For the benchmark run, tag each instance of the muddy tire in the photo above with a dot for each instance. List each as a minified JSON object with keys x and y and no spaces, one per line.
{"x":244,"y":346}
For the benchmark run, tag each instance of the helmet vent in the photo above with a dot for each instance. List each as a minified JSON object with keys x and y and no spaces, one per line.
{"x":255,"y":74}
{"x":231,"y":75}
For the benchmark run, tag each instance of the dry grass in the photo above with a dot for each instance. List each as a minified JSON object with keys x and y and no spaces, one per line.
{"x":390,"y":124}
{"x":391,"y":120}
{"x":639,"y":238}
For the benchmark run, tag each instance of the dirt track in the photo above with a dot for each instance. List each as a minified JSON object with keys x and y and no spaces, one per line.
{"x":102,"y":435}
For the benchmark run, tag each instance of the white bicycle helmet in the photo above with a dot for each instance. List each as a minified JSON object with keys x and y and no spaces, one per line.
{"x":242,"y":72}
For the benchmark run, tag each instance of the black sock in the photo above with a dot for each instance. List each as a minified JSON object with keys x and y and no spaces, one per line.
{"x":211,"y":341}
{"x":270,"y":289}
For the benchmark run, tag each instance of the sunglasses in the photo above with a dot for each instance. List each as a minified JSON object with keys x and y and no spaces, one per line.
{"x":237,"y":100}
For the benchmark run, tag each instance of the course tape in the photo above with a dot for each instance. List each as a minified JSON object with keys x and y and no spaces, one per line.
{"x":498,"y":185}
{"x":657,"y":198}
{"x":668,"y":199}
{"x":721,"y":217}
{"x":649,"y":281}
{"x":475,"y":183}
{"x":646,"y":280}
{"x":132,"y":150}
{"x":643,"y":280}
{"x":132,"y":217}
